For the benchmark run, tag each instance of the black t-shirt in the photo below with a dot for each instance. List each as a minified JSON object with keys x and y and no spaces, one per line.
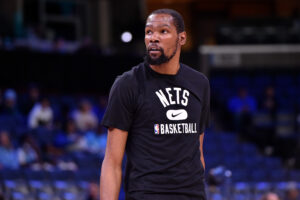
{"x":164,"y":116}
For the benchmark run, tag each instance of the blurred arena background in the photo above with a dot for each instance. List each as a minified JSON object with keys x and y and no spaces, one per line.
{"x":59,"y":58}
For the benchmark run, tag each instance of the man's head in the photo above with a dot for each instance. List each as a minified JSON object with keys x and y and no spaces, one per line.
{"x":292,"y":192}
{"x":177,"y":18}
{"x":270,"y":196}
{"x":10,"y":97}
{"x":4,"y":139}
{"x":164,"y":35}
{"x":45,"y":102}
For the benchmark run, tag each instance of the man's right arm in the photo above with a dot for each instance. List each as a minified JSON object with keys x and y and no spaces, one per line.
{"x":111,"y":172}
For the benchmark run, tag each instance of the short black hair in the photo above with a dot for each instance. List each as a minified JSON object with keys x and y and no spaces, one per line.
{"x":177,"y":18}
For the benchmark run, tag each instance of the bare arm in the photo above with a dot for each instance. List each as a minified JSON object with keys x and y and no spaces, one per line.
{"x":201,"y":149}
{"x":111,"y":172}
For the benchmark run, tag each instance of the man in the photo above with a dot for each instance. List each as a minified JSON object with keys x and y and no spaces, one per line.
{"x":270,"y":196}
{"x":157,"y":112}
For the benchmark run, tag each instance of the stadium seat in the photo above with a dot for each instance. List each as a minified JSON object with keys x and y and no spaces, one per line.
{"x":47,"y":196}
{"x":278,"y":175}
{"x":294,"y":175}
{"x":259,"y":175}
{"x":261,"y":188}
{"x":21,"y":196}
{"x":240,"y":175}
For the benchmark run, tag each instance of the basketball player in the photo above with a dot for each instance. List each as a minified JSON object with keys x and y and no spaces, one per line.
{"x":157,"y":113}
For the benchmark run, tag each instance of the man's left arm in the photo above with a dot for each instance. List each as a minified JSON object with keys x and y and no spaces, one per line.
{"x":201,"y":138}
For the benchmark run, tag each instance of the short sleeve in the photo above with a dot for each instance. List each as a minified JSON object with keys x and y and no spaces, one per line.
{"x":205,"y":113}
{"x":120,"y":108}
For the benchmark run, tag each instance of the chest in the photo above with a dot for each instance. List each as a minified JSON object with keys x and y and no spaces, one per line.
{"x":166,"y":107}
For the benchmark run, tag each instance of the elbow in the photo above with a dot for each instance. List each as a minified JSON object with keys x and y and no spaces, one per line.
{"x":111,"y":164}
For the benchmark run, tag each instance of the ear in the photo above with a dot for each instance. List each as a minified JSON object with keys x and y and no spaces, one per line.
{"x":182,"y":38}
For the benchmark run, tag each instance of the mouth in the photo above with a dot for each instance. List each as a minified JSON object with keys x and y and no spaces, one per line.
{"x":154,"y":50}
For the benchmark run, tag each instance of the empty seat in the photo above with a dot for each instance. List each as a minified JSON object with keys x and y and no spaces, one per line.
{"x":232,"y":162}
{"x":250,"y":162}
{"x":38,"y":180}
{"x":284,"y":80}
{"x":241,"y":81}
{"x":61,"y":175}
{"x":48,"y":196}
{"x":259,"y":175}
{"x":240,"y":175}
{"x":272,"y":163}
{"x":294,"y":175}
{"x":35,"y":174}
{"x":84,"y":177}
{"x":13,"y":180}
{"x":22,"y":196}
{"x":285,"y":124}
{"x":262,"y":81}
{"x":63,"y":181}
{"x":228,"y":138}
{"x":248,"y":149}
{"x":261,"y":187}
{"x":74,"y":196}
{"x":262,"y":120}
{"x":213,"y":160}
{"x":88,"y":160}
{"x":241,"y":191}
{"x":278,"y":175}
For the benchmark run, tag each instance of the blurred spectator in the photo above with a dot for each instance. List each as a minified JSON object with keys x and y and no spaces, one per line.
{"x":11,"y":119}
{"x":69,"y":138}
{"x":93,"y":192}
{"x":60,"y":45}
{"x":101,"y":107}
{"x":1,"y":100}
{"x":292,"y":192}
{"x":30,"y":99}
{"x":9,"y":107}
{"x":242,"y":107}
{"x":270,"y":196}
{"x":8,"y":153}
{"x":41,"y":114}
{"x":269,"y":103}
{"x":265,"y":132}
{"x":85,"y":119}
{"x":95,"y":141}
{"x":243,"y":103}
{"x":88,"y":47}
{"x":66,"y":164}
{"x":28,"y":152}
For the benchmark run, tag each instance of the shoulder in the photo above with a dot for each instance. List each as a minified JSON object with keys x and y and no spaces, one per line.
{"x":36,"y":108}
{"x":128,"y":81}
{"x":193,"y":75}
{"x":129,"y":77}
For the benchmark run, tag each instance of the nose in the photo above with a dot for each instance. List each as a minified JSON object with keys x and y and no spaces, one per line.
{"x":154,"y":38}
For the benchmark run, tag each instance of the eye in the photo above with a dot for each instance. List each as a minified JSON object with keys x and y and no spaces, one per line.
{"x":148,"y":31}
{"x":164,"y":31}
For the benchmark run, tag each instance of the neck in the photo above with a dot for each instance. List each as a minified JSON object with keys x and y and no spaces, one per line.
{"x":169,"y":68}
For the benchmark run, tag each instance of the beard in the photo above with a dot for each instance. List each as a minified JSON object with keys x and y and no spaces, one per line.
{"x":163,"y":58}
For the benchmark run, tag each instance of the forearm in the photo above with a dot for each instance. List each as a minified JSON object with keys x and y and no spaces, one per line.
{"x":110,"y":181}
{"x":201,"y":138}
{"x":202,"y":160}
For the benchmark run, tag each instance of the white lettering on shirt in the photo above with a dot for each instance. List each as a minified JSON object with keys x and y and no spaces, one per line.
{"x":185,"y":97}
{"x":173,"y":96}
{"x":162,"y":98}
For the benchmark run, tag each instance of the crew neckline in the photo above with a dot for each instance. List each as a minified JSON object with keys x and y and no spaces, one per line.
{"x":156,"y":74}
